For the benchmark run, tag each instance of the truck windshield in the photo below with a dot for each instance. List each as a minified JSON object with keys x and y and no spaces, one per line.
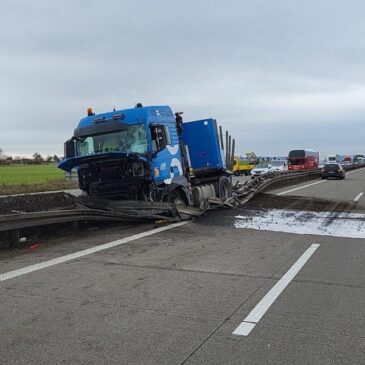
{"x":131,"y":140}
{"x":296,"y":153}
{"x":297,"y":161}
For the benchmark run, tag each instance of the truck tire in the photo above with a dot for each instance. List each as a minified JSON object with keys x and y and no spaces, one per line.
{"x":224,"y":188}
{"x":175,"y":197}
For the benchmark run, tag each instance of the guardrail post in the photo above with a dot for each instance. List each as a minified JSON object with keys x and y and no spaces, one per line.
{"x":71,"y":175}
{"x":75,"y":226}
{"x":9,"y":239}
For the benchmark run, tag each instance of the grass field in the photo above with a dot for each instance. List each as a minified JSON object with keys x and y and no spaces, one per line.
{"x":29,"y":174}
{"x":16,"y":179}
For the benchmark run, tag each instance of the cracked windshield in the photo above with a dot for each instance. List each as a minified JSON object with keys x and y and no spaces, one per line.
{"x":132,"y":140}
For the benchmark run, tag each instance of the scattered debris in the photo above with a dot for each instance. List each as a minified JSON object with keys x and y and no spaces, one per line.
{"x":339,"y":224}
{"x":243,"y":192}
{"x":20,"y":212}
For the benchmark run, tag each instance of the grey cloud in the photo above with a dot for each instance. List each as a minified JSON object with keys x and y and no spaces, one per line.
{"x":271,"y":72}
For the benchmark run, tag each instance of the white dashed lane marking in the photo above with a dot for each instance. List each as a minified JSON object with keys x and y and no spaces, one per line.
{"x":358,"y":196}
{"x":300,"y":187}
{"x":258,"y":312}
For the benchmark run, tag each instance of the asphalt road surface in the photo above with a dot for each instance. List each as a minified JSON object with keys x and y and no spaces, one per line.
{"x":201,"y":292}
{"x":349,"y":189}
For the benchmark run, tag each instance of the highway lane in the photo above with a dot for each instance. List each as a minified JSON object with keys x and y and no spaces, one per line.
{"x":177,"y":296}
{"x":331,"y":189}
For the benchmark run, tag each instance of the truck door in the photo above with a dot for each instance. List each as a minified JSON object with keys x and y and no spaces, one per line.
{"x":166,"y":159}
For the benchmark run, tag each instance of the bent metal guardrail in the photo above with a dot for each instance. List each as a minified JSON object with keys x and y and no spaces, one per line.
{"x":32,"y":219}
{"x":141,"y":211}
{"x":243,"y":192}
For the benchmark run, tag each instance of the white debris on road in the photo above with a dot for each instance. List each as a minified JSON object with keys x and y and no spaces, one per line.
{"x":340,"y":224}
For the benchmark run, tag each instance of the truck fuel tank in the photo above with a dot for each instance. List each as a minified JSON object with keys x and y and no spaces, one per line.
{"x":200,"y":193}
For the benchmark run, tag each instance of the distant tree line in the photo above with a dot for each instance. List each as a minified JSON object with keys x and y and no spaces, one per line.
{"x":37,"y":159}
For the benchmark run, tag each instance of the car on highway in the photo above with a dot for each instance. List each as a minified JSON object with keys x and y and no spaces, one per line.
{"x":260,"y":169}
{"x":347,"y":160}
{"x":279,"y":165}
{"x":358,"y":160}
{"x":333,"y":170}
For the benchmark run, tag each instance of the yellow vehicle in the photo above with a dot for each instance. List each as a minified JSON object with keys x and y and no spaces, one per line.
{"x":244,"y":165}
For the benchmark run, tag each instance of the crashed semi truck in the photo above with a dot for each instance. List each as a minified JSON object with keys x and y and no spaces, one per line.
{"x":149,"y":154}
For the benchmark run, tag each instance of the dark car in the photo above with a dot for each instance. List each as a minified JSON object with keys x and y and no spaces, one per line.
{"x":333,"y":170}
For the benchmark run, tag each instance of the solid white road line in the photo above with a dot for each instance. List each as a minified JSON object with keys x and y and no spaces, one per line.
{"x":315,"y":183}
{"x":301,"y":187}
{"x":258,"y":312}
{"x":72,"y":256}
{"x":352,"y":172}
{"x":358,"y":196}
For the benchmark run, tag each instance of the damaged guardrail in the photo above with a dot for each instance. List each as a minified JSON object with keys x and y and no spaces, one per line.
{"x":67,"y":208}
{"x":243,"y":192}
{"x":64,"y":208}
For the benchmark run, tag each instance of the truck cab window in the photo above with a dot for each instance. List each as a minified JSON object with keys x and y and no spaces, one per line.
{"x":160,"y":137}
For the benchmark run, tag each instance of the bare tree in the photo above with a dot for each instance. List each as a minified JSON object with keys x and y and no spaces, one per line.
{"x":37,"y":158}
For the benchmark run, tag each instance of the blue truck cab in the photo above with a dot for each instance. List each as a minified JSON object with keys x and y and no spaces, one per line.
{"x":140,"y":154}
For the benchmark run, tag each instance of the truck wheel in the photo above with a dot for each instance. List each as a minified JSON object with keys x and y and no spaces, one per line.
{"x":174,"y":197}
{"x":224,"y":188}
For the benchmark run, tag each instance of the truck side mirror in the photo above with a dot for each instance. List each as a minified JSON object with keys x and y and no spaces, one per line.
{"x":69,"y":148}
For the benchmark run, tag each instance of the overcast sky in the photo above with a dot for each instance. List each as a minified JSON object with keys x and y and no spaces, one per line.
{"x":278,"y":74}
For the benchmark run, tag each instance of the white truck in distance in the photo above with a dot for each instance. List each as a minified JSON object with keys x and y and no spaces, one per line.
{"x":332,"y":159}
